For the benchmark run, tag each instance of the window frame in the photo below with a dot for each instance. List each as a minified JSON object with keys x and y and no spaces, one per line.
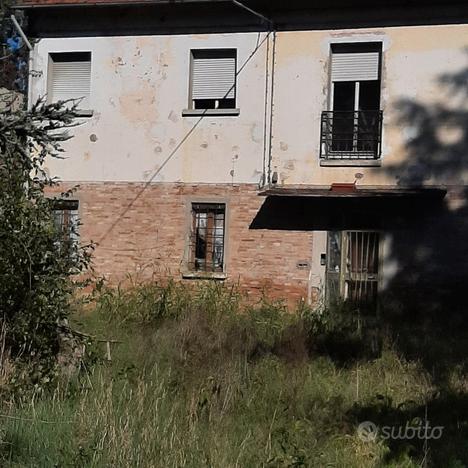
{"x":333,"y":159}
{"x":191,"y":110}
{"x":69,"y":210}
{"x":350,"y":47}
{"x":80,"y":112}
{"x":189,"y":271}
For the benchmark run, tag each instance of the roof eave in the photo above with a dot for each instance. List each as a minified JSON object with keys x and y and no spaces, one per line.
{"x":104,"y":3}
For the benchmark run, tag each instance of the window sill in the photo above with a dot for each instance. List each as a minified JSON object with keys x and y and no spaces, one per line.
{"x":84,"y":113}
{"x":210,"y":112}
{"x":204,"y":275}
{"x":351,"y":162}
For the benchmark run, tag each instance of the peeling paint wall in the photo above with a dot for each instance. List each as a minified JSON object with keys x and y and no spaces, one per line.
{"x":139,"y":88}
{"x":414,"y":58}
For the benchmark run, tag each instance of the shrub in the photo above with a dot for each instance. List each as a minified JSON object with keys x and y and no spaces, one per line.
{"x":207,"y":321}
{"x":37,"y":269}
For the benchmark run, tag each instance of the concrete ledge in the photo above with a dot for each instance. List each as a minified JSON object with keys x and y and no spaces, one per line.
{"x":84,"y":113}
{"x":210,"y":112}
{"x":203,"y":275}
{"x":351,"y":162}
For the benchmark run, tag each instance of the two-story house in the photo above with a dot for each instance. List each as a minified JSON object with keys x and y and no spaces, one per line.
{"x":309,"y":148}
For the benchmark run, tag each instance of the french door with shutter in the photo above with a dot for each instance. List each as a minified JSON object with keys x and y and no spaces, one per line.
{"x":352,"y":272}
{"x":355,"y":101}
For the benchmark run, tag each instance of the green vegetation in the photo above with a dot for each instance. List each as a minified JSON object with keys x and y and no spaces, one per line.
{"x":198,"y":379}
{"x":37,"y":263}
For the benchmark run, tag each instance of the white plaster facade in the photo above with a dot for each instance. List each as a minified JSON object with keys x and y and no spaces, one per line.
{"x":140,"y":86}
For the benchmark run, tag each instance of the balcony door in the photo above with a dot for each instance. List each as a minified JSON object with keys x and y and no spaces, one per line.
{"x":355,"y":100}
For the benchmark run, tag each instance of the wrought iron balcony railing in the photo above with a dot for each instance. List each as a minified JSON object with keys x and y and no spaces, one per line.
{"x":351,"y":135}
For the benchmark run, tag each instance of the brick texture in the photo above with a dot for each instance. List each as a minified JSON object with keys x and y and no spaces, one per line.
{"x":143,"y":232}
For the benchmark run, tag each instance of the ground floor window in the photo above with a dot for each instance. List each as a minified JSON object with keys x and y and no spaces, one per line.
{"x":353,"y":266}
{"x":65,"y":214}
{"x":207,"y":237}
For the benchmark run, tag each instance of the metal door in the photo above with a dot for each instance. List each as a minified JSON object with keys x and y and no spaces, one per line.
{"x":353,"y":266}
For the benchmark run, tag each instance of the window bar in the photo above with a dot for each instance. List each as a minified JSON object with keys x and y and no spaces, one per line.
{"x":344,"y":267}
{"x":358,"y":267}
{"x":209,"y":242}
{"x":367,"y":239}
{"x":363,"y":276}
{"x":356,"y":117}
{"x":193,"y":241}
{"x":351,"y":259}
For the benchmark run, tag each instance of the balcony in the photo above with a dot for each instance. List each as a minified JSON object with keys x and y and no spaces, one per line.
{"x":351,"y":137}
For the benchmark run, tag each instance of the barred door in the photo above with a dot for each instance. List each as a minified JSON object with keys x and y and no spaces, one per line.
{"x":353,"y":266}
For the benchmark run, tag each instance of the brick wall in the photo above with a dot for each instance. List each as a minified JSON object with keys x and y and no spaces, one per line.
{"x":143,"y":232}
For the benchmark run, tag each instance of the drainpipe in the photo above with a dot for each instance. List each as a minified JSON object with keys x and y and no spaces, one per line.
{"x":21,"y":32}
{"x":272,"y":107}
{"x":30,"y":58}
{"x":271,"y":30}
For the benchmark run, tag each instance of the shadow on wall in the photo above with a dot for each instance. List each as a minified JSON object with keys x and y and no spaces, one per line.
{"x":428,"y":237}
{"x":431,"y":281}
{"x":424,"y":305}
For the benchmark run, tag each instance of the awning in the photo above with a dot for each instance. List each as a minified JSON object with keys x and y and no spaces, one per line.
{"x":350,"y":190}
{"x":344,"y":206}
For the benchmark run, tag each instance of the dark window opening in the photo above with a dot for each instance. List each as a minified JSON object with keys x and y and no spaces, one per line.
{"x":214,"y":103}
{"x":369,"y":95}
{"x":226,"y":103}
{"x":356,"y":47}
{"x":343,"y":116}
{"x":71,"y":56}
{"x":344,"y":96}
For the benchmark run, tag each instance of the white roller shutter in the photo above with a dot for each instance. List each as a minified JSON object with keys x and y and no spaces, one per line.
{"x":71,"y":80}
{"x":213,"y":77}
{"x":355,"y":66}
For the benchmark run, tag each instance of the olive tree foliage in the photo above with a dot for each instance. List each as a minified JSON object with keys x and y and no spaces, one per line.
{"x":39,"y":268}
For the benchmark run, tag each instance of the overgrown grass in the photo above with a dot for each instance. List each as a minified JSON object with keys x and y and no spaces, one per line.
{"x":200,"y":379}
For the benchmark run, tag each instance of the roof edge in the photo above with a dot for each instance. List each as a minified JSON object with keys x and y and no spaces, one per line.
{"x":104,"y":3}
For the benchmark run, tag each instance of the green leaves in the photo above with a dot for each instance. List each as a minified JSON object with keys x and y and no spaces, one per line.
{"x":36,"y":274}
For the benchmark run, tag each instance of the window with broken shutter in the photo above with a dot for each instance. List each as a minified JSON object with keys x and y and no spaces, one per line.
{"x":70,"y":77}
{"x":213,"y":79}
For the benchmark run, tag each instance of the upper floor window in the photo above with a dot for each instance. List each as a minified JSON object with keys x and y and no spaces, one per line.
{"x":213,"y":79}
{"x":69,"y":77}
{"x":351,"y":129}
